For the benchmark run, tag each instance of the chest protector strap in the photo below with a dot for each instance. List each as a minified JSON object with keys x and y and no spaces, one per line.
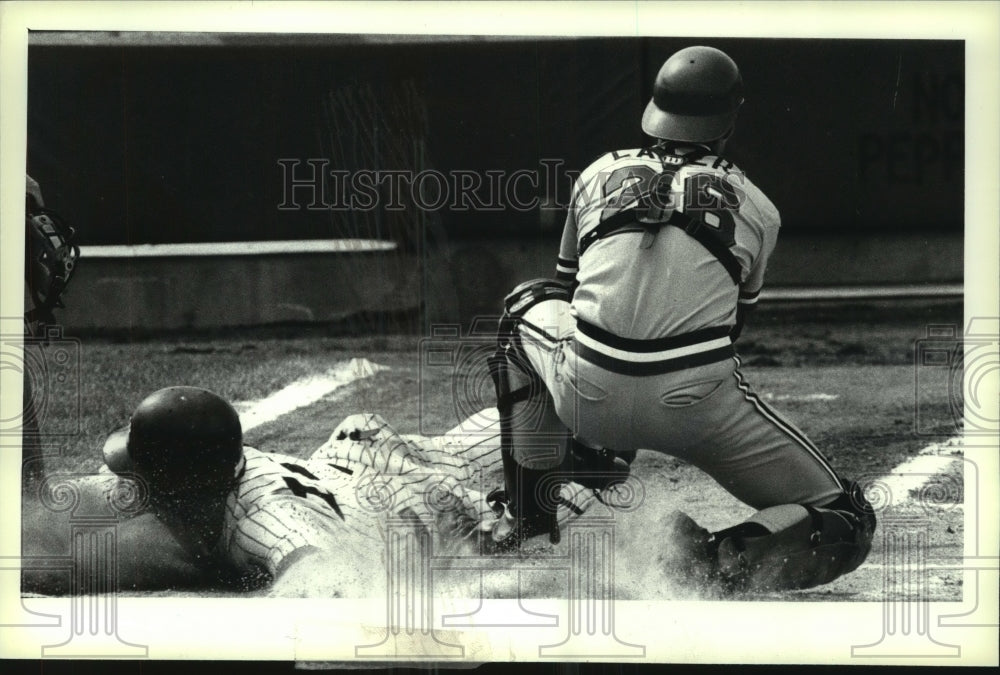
{"x":629,"y":220}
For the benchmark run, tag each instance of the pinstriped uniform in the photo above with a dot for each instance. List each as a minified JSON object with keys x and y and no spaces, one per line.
{"x":345,"y":493}
{"x":282,"y":504}
{"x":344,"y":497}
{"x":439,"y":479}
{"x":642,"y":358}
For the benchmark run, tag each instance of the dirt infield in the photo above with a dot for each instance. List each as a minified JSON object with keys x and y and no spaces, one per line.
{"x":845,"y":376}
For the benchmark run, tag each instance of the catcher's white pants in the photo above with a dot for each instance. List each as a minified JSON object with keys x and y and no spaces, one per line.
{"x":706,"y":415}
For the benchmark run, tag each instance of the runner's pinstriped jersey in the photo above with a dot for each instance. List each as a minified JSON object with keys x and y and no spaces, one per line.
{"x":439,"y":480}
{"x":282,"y":504}
{"x":279,"y":505}
{"x":342,"y":497}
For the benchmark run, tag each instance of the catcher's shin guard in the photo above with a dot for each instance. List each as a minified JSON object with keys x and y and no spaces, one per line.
{"x":533,"y":439}
{"x":793,"y":546}
{"x":597,"y":468}
{"x":531,"y":506}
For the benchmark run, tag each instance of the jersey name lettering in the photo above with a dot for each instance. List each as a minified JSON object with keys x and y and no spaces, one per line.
{"x":300,"y":490}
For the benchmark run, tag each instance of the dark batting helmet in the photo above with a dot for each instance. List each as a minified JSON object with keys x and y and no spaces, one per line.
{"x":696,"y":96}
{"x":179,"y":440}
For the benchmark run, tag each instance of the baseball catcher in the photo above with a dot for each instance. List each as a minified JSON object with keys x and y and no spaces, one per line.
{"x":632,"y":347}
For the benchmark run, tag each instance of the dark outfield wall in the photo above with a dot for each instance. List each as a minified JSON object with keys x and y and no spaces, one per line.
{"x":186,"y":144}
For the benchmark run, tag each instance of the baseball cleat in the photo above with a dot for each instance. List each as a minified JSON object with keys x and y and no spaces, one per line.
{"x":505,"y":536}
{"x":734,"y":568}
{"x":508,"y":531}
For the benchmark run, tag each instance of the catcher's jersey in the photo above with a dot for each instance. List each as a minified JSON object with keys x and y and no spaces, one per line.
{"x":640,"y":286}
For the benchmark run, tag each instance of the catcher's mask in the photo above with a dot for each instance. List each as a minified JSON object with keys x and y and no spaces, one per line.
{"x":696,"y":97}
{"x":182,"y":441}
{"x":51,"y":254}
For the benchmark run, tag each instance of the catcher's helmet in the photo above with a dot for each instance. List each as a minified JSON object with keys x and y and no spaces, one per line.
{"x":180,"y":439}
{"x":696,"y":96}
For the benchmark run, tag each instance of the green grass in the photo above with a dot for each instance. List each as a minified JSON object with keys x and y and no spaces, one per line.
{"x":866,"y":362}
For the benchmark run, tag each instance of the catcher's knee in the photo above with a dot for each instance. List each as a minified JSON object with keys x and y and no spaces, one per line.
{"x":532,"y":437}
{"x":529,"y":293}
{"x":516,"y":306}
{"x":530,"y":428}
{"x":536,"y":430}
{"x":793,"y":546}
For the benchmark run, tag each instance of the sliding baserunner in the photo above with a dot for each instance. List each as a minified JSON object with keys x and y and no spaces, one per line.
{"x":226,"y":516}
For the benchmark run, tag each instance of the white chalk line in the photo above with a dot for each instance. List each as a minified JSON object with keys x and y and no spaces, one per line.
{"x":913,"y":474}
{"x":768,"y":396}
{"x":907,"y":480}
{"x":304,"y":392}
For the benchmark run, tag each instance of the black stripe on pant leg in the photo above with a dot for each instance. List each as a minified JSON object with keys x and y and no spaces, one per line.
{"x":786,"y":427}
{"x":769,"y":412}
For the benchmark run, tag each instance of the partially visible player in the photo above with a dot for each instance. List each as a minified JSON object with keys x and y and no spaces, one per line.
{"x":50,"y":260}
{"x":663,"y":253}
{"x":243,"y":513}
